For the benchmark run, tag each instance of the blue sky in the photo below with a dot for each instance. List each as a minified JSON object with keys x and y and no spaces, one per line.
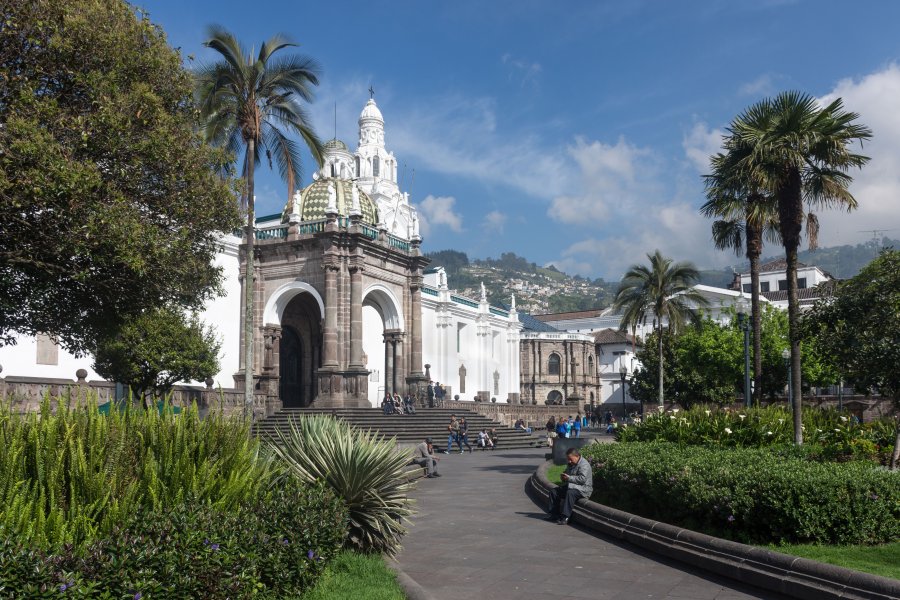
{"x":576,"y":133}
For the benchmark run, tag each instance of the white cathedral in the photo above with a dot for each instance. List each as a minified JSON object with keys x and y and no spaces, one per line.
{"x":348,"y":309}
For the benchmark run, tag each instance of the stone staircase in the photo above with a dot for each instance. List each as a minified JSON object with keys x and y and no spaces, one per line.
{"x":407,"y":429}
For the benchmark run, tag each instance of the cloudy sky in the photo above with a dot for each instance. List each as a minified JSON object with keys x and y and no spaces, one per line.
{"x":576,"y":133}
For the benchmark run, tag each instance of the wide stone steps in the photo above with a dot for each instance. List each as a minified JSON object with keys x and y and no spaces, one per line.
{"x":407,"y":429}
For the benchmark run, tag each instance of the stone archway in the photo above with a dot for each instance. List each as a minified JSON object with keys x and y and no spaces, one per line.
{"x":555,"y":397}
{"x":383,"y":335}
{"x":300,"y":350}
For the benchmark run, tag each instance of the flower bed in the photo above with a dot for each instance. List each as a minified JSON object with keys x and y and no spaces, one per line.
{"x":828,"y":435}
{"x":749,"y":495}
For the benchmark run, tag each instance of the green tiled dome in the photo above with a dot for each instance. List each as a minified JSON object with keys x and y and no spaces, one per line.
{"x":314,"y":201}
{"x":336,"y":144}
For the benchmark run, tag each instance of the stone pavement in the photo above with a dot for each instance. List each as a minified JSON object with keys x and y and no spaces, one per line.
{"x":477,"y":535}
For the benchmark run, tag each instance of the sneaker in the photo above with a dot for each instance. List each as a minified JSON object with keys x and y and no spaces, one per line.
{"x":446,"y":452}
{"x":563,"y":521}
{"x":435,"y":474}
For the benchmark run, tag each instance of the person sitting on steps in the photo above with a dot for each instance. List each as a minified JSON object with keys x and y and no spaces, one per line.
{"x":484,"y":440}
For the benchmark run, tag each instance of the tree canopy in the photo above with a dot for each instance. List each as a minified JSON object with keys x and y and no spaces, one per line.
{"x":110,"y":204}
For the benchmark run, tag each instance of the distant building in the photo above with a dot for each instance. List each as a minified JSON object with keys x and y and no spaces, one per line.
{"x":773,"y":282}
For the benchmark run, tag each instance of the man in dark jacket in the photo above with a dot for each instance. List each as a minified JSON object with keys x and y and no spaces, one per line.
{"x":578,"y":482}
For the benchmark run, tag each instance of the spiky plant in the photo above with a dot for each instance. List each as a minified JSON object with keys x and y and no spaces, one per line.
{"x":361,"y":467}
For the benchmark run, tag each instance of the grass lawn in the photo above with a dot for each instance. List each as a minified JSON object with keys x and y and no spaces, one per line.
{"x":353,"y":575}
{"x":554,"y":472}
{"x":881,"y":560}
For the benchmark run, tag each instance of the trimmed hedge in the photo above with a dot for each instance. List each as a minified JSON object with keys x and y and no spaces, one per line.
{"x":273,"y":546}
{"x":757,"y":496}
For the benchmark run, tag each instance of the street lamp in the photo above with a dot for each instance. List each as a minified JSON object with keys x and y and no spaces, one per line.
{"x":623,"y":371}
{"x":786,"y":356}
{"x":744,"y":324}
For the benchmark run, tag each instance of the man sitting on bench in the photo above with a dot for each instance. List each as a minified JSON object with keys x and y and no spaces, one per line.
{"x":424,"y":457}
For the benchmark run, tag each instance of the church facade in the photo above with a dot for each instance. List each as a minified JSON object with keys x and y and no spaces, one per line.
{"x":345,"y":310}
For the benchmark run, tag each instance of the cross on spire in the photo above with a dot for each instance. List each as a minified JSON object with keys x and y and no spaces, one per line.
{"x":371,"y":92}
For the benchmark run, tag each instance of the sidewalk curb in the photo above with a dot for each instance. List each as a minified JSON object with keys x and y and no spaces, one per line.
{"x":412,"y":589}
{"x":789,"y":575}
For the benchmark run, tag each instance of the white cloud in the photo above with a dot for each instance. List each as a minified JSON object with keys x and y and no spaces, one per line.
{"x":495,"y":221}
{"x":456,"y":135}
{"x":438,"y":211}
{"x":612,"y":178}
{"x":527,"y":72}
{"x":700,"y":143}
{"x":877,"y":185}
{"x":761,"y":86}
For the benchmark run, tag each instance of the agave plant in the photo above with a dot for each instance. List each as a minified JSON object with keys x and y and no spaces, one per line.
{"x":363,"y":468}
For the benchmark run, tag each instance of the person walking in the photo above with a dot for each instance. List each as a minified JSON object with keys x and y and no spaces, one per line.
{"x":424,"y":456}
{"x":464,"y":435}
{"x":578,"y":482}
{"x":453,"y":435}
{"x":576,"y":427}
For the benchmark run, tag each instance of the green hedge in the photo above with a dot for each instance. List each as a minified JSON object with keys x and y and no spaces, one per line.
{"x":751,"y":495}
{"x":273,"y":546}
{"x":829,"y":434}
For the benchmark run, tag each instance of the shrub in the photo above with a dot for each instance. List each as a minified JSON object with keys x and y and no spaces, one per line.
{"x":760,"y":496}
{"x":829,"y":434}
{"x":363,"y":469}
{"x":70,"y":475}
{"x":272,"y":546}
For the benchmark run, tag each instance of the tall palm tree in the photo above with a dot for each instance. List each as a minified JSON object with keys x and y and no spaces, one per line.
{"x":254,"y":105}
{"x":664,"y":289}
{"x":800,"y":153}
{"x":746,"y":217}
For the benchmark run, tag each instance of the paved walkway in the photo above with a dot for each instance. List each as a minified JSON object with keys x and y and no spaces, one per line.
{"x":477,"y":535}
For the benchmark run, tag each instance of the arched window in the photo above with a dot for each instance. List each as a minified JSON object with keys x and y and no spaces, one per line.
{"x":591,"y":366}
{"x":333,"y":170}
{"x":555,"y":397}
{"x":375,"y":167}
{"x":553,"y":366}
{"x":358,"y":174}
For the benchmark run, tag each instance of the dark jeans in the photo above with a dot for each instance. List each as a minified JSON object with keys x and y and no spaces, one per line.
{"x":567,"y":497}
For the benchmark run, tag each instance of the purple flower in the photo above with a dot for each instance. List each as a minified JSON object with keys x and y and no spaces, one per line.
{"x":873,"y":496}
{"x":214,"y":547}
{"x":284,"y":541}
{"x":63,"y":587}
{"x":138,"y":596}
{"x":731,"y":518}
{"x":310,"y":555}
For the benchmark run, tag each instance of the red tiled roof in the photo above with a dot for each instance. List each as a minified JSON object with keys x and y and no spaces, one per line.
{"x":612,"y":336}
{"x":779,"y":264}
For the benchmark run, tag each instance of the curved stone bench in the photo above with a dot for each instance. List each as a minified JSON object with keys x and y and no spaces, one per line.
{"x":789,"y":575}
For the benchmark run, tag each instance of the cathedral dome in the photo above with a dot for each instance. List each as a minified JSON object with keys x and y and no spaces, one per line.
{"x":336,"y":144}
{"x":313,"y":201}
{"x":370,"y":111}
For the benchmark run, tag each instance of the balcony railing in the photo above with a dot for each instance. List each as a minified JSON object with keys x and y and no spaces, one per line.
{"x":278,"y":232}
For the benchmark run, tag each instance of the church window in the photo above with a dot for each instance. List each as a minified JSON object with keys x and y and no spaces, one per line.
{"x":553,"y":364}
{"x":590,"y":366}
{"x":375,"y":167}
{"x":333,"y":170}
{"x":358,"y":173}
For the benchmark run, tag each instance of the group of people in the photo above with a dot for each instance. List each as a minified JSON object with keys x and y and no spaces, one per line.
{"x":436,"y":393}
{"x":458,"y":433}
{"x":394,"y":405}
{"x":563,"y":427}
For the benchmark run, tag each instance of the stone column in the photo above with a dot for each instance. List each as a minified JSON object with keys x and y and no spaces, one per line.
{"x":415,"y":350}
{"x":356,"y":343}
{"x":387,"y":363}
{"x":394,"y":341}
{"x":330,"y":335}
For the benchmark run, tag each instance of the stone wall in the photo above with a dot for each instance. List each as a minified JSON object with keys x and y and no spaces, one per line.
{"x":507,"y":414}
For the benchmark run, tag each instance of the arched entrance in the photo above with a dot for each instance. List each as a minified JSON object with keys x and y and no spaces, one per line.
{"x":383,"y":342}
{"x":300,"y":350}
{"x":554,"y":397}
{"x":290,"y":368}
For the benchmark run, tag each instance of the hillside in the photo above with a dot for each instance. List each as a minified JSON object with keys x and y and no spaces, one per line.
{"x":546,"y":289}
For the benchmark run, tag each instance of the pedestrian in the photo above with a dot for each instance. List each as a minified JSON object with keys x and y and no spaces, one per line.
{"x":424,"y":456}
{"x":551,"y":430}
{"x":578,"y":482}
{"x":495,"y":439}
{"x":561,"y":428}
{"x":464,"y":435}
{"x":576,"y":427}
{"x":453,"y":435}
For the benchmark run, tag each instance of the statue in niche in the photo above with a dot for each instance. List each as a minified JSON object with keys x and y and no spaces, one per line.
{"x":496,"y":382}
{"x":332,"y":198}
{"x":462,"y":379}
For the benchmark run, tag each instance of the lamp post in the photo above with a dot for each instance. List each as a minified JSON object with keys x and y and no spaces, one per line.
{"x":623,"y":371}
{"x":744,"y":324}
{"x":786,"y":356}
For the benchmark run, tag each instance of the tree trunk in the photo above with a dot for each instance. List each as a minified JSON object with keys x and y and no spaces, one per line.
{"x":790,"y":215}
{"x":895,"y":455}
{"x":249,"y":291}
{"x":662,"y":401}
{"x":754,"y":250}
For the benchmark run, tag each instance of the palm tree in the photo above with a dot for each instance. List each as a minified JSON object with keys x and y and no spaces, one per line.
{"x":746,"y":217}
{"x":800,"y":153}
{"x":663,"y":289}
{"x":254,"y":105}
